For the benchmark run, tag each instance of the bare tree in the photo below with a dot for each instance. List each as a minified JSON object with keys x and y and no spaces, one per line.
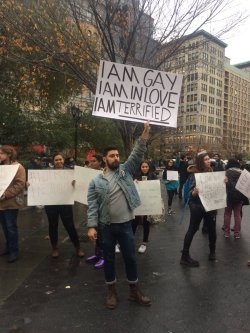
{"x":71,"y":36}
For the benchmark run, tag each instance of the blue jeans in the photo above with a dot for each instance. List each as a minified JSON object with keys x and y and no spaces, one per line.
{"x":108,"y":236}
{"x":8,"y":220}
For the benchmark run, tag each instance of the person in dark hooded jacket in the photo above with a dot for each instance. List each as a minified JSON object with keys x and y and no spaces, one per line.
{"x":235,"y":199}
{"x":197,"y":213}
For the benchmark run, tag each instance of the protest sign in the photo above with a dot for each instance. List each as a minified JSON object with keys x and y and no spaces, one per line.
{"x":243,"y":183}
{"x":7,"y":174}
{"x":137,"y":94}
{"x":212,"y":189}
{"x":83,"y":177}
{"x":150,"y":195}
{"x":172,"y":175}
{"x":50,"y":187}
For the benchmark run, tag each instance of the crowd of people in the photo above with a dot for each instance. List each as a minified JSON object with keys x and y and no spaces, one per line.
{"x":112,"y":198}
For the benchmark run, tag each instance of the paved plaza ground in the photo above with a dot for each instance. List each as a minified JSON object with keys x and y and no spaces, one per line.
{"x":39,"y":294}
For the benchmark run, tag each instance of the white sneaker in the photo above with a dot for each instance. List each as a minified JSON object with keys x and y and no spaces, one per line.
{"x":117,"y":249}
{"x":142,"y":248}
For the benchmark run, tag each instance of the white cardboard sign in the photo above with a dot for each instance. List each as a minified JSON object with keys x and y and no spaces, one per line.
{"x":212,"y":189}
{"x":50,"y":187}
{"x":137,"y":94}
{"x":150,"y":195}
{"x":243,"y":183}
{"x":7,"y":174}
{"x":172,"y":175}
{"x":83,"y":177}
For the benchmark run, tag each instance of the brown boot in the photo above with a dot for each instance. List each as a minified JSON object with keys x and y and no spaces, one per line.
{"x":137,"y":296}
{"x":111,"y":299}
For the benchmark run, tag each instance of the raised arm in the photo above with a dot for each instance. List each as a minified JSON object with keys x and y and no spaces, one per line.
{"x":137,"y":154}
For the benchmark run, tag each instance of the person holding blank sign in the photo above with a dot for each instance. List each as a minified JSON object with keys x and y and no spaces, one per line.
{"x":65,"y":212}
{"x":171,"y":184}
{"x":143,"y":174}
{"x":11,"y":200}
{"x":197,"y":213}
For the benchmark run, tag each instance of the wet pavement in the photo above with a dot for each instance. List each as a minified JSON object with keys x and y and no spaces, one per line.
{"x":39,"y":294}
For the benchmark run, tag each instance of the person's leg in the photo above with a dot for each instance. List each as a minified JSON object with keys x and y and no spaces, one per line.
{"x":99,"y":255}
{"x":125,"y":238}
{"x":10,"y":222}
{"x":180,"y":188}
{"x":227,"y":219}
{"x":53,"y":218}
{"x":107,"y":241}
{"x":237,"y":207}
{"x":196,"y":214}
{"x":210,"y":218}
{"x":146,"y":229}
{"x":5,"y":231}
{"x":66,"y":214}
{"x":170,"y":200}
{"x":135,"y":223}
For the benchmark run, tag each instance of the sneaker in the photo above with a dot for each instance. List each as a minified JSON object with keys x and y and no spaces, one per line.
{"x":91,"y":259}
{"x":172,"y":211}
{"x":226,"y":236}
{"x":142,"y":248}
{"x":99,"y":264}
{"x":236,"y":236}
{"x":117,"y":249}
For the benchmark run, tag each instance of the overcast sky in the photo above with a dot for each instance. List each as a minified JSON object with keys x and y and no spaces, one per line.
{"x":238,"y":40}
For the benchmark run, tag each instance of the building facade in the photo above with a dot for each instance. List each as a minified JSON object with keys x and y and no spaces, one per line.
{"x":207,"y":117}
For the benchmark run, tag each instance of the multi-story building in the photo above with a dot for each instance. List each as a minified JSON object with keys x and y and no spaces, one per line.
{"x":214,"y":104}
{"x":200,"y":58}
{"x":236,"y":117}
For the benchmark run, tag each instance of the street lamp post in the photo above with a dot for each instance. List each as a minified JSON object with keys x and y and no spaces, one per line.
{"x":76,"y":114}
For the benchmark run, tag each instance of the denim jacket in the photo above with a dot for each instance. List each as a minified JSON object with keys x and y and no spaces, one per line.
{"x":98,"y":192}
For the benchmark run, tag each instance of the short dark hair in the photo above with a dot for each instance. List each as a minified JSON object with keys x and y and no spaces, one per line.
{"x":233,"y":163}
{"x":108,"y":149}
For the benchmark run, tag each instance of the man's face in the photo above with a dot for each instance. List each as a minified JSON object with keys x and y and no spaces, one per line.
{"x":216,"y":157}
{"x":112,"y":159}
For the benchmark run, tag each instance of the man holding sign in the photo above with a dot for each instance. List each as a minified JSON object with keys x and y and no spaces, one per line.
{"x":112,"y":198}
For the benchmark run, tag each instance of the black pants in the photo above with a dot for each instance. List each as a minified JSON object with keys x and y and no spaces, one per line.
{"x":146,"y":226}
{"x":182,"y":182}
{"x":170,"y":197}
{"x":197,"y":214}
{"x":65,"y":212}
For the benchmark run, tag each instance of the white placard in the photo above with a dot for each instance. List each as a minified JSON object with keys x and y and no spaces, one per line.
{"x":150,"y":195}
{"x":50,"y":187}
{"x":83,"y":177}
{"x":243,"y":183}
{"x":7,"y":174}
{"x":172,"y":175}
{"x":137,"y":94}
{"x":212,"y":189}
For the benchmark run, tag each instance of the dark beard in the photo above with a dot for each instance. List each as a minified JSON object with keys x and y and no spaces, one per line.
{"x":113,"y":166}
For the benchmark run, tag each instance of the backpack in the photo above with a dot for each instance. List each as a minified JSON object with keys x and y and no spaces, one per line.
{"x":233,"y":195}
